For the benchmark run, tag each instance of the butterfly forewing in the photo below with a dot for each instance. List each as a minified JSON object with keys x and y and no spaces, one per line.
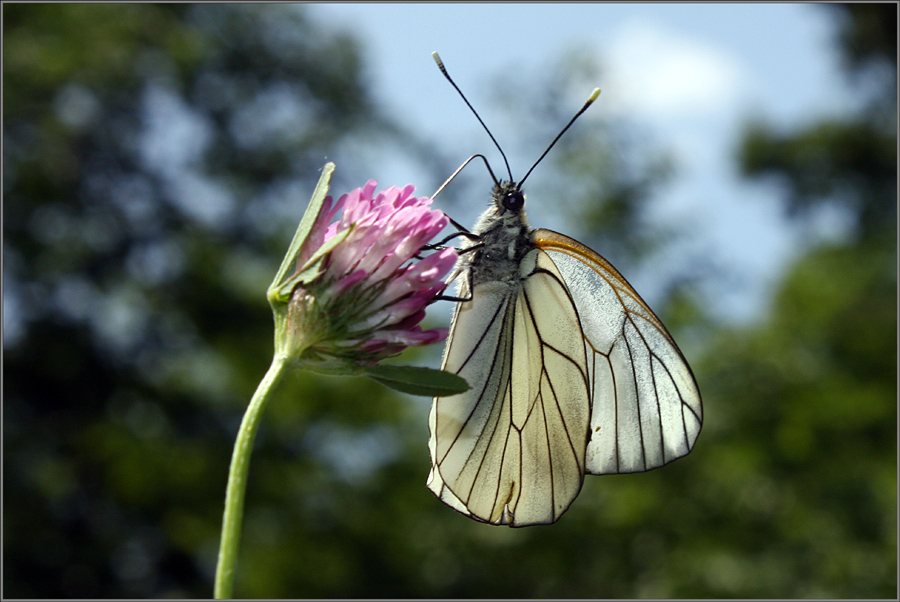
{"x":646,"y":408}
{"x":511,"y":450}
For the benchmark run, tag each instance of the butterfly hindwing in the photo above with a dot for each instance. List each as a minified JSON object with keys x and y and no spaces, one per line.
{"x":646,"y":408}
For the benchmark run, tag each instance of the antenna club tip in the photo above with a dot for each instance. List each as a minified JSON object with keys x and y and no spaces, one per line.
{"x":437,"y":58}
{"x":594,"y":95}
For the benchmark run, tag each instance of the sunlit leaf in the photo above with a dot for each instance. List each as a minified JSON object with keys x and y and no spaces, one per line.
{"x":416,"y":380}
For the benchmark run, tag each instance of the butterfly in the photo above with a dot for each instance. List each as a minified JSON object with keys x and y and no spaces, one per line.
{"x":571,"y":372}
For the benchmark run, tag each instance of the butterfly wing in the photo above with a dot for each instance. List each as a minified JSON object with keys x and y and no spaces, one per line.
{"x":511,"y":450}
{"x":646,"y":408}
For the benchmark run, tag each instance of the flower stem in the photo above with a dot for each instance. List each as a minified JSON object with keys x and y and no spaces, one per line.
{"x":237,"y":479}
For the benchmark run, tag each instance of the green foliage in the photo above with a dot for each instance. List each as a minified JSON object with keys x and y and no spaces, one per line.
{"x":141,"y":330}
{"x":868,"y":39}
{"x":849,"y":161}
{"x":802,"y":410}
{"x":860,"y":177}
{"x":138,"y":278}
{"x":417,"y":380}
{"x":814,"y":387}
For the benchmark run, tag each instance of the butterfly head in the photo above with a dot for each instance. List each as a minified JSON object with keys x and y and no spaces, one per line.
{"x":508,"y":199}
{"x":506,"y":212}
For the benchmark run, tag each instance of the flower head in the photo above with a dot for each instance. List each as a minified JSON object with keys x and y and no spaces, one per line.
{"x":360,"y":284}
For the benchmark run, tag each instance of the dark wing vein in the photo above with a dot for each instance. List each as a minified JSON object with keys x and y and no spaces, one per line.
{"x":487,"y":381}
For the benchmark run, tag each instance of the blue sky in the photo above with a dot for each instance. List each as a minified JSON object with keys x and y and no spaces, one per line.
{"x":692,"y":74}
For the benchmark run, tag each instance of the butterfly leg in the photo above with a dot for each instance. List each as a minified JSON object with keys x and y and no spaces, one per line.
{"x":440,"y":245}
{"x":442,"y":297}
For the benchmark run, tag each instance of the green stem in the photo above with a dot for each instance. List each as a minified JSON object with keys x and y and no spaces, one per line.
{"x":237,"y":480}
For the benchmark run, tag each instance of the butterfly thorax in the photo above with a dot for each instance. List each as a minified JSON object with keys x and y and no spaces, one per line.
{"x":505,"y":238}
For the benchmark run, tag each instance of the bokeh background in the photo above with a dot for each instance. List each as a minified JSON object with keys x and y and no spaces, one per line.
{"x":739,"y":168}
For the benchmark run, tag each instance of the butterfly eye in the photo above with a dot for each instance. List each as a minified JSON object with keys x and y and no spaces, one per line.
{"x":513,"y":200}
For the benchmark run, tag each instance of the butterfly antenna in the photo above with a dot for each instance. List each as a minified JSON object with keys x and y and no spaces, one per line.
{"x":460,"y":168}
{"x":440,"y":64}
{"x":589,"y":102}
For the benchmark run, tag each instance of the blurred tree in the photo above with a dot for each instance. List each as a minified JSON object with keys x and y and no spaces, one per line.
{"x":848,"y":161}
{"x":802,"y":408}
{"x":157,"y":159}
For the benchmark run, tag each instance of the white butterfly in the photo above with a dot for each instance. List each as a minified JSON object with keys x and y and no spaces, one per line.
{"x":570,"y":372}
